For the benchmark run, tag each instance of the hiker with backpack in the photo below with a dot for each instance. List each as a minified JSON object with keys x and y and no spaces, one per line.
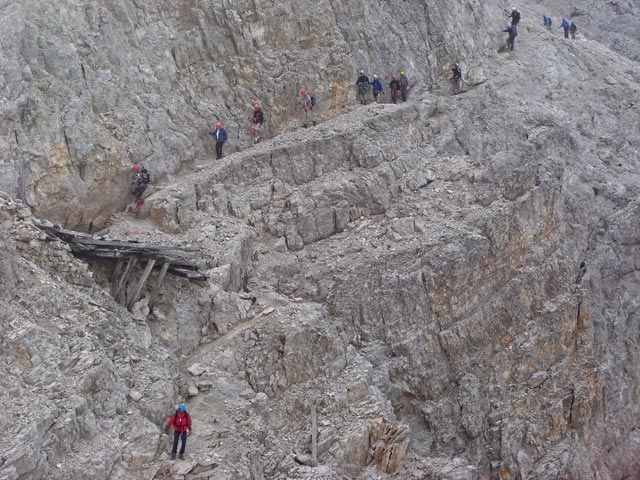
{"x":257,"y":123}
{"x":308,"y":102}
{"x":376,"y":88}
{"x":456,"y":79}
{"x":573,"y":28}
{"x":220,"y":136}
{"x":511,"y":39}
{"x":547,"y":21}
{"x":394,"y":88}
{"x":363,"y":87}
{"x":514,"y":16}
{"x":139,"y":183}
{"x":181,"y":422}
{"x":404,"y":86}
{"x":565,"y":25}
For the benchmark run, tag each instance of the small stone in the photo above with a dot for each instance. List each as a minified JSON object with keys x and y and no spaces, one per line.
{"x":268,"y":311}
{"x":135,"y":395}
{"x":196,"y":369}
{"x":192,"y":390}
{"x":261,"y":397}
{"x":280,"y":245}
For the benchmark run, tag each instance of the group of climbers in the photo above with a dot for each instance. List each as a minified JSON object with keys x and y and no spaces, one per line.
{"x":512,"y":29}
{"x":398,"y":87}
{"x":570,"y":28}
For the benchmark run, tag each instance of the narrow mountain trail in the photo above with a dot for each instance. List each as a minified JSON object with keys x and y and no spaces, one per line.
{"x":426,"y":192}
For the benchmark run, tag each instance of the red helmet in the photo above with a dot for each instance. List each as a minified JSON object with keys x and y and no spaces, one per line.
{"x":135,"y":167}
{"x":302,"y":92}
{"x":393,"y":77}
{"x":218,"y":124}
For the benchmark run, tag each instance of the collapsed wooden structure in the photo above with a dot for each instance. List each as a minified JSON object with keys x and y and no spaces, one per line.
{"x":183,"y":262}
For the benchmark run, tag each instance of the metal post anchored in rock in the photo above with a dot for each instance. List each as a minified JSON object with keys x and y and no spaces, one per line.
{"x":314,"y":434}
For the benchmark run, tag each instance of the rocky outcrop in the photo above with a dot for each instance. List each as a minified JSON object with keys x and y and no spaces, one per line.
{"x":144,"y":81}
{"x":449,"y":284}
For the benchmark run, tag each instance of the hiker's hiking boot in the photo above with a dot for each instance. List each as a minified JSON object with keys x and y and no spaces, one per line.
{"x":181,"y":456}
{"x":173,"y":456}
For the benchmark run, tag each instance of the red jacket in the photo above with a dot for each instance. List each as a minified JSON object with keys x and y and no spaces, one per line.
{"x":181,"y":421}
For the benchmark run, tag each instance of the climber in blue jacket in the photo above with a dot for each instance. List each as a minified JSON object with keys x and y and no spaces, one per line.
{"x":565,"y":25}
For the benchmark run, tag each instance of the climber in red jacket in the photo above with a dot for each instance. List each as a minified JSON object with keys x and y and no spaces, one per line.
{"x":181,"y":422}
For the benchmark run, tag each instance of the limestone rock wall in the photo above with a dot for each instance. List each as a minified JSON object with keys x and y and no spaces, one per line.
{"x":89,"y":89}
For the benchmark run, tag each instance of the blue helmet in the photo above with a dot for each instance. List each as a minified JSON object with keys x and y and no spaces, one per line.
{"x":182,"y":406}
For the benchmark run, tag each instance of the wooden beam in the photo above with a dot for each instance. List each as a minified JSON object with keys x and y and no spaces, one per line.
{"x":143,"y":280}
{"x":156,"y":290}
{"x":117,"y":271}
{"x":125,"y":276}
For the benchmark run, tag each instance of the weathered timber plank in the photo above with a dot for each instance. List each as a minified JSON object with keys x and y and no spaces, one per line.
{"x":140,"y":286}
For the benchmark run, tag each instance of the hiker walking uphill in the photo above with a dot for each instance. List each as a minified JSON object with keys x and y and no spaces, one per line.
{"x":565,"y":25}
{"x":220,"y":136}
{"x":456,"y":79}
{"x":308,"y":103}
{"x":377,"y":88}
{"x":394,"y":88}
{"x":514,"y":16}
{"x":139,"y":183}
{"x":181,"y":422}
{"x":404,"y":86}
{"x":257,"y":123}
{"x":547,"y":21}
{"x":511,"y":39}
{"x":573,"y":28}
{"x":363,"y":87}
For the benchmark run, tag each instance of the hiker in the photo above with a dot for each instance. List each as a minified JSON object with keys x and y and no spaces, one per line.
{"x":220,"y":136}
{"x":514,"y":16}
{"x":456,"y":79}
{"x":547,"y":21}
{"x":139,"y":183}
{"x":404,"y":86}
{"x":513,"y":33}
{"x":307,"y":108}
{"x":394,"y":87}
{"x":573,"y":28}
{"x":565,"y":26}
{"x":257,"y":123}
{"x":363,"y":87}
{"x":377,"y":88}
{"x":181,"y":422}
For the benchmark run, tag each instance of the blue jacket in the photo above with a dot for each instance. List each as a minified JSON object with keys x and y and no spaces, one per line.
{"x":377,"y":85}
{"x":219,"y":135}
{"x":565,"y":23}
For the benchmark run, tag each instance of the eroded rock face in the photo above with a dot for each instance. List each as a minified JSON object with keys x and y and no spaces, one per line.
{"x":462,"y":267}
{"x":90,"y":89}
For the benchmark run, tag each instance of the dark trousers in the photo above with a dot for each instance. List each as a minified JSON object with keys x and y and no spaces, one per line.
{"x":403,"y":94}
{"x":566,"y":32}
{"x":511,"y":41}
{"x":176,"y":437}
{"x":219,"y":149}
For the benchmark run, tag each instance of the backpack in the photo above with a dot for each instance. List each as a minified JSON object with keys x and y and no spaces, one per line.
{"x":516,"y":17}
{"x":573,"y":27}
{"x":145,"y":177}
{"x":313,"y":101}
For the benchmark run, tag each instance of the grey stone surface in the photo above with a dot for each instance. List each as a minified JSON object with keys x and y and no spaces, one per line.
{"x":457,"y":286}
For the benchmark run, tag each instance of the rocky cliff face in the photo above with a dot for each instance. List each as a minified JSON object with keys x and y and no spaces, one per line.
{"x":90,"y":89}
{"x":449,"y":283}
